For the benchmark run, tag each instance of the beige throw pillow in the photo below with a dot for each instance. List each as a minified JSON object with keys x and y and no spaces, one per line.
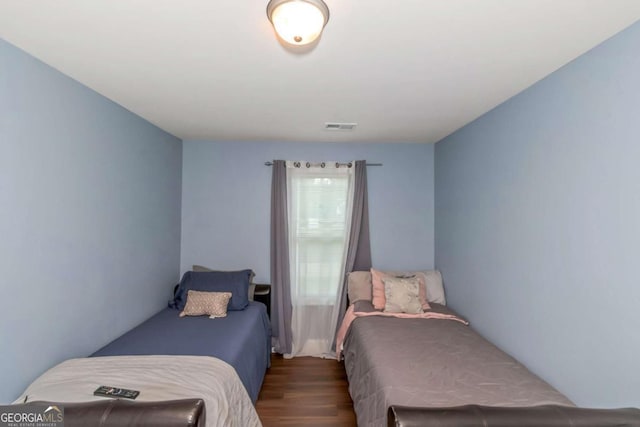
{"x":402,"y":295}
{"x":359,"y":286}
{"x":213,"y":304}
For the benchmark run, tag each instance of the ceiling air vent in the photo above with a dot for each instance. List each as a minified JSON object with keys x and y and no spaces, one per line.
{"x":339,"y":126}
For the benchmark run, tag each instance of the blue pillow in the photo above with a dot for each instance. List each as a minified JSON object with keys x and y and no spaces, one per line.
{"x":236,"y":282}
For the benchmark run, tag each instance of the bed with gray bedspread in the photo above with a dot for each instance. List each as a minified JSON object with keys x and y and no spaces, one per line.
{"x":433,"y":363}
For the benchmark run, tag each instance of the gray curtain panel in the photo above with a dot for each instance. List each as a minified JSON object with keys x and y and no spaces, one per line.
{"x":359,"y":250}
{"x":280,"y":278}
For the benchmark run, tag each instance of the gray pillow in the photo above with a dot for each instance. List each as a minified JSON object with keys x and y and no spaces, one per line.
{"x":359,"y":286}
{"x":435,"y":289}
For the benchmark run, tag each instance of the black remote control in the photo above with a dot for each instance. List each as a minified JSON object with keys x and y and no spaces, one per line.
{"x":115,"y":392}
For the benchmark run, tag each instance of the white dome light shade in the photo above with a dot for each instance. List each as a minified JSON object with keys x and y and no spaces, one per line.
{"x":298,"y":22}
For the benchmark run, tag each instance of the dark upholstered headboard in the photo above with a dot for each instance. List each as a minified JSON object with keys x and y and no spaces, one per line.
{"x":125,"y":413}
{"x":533,"y":416}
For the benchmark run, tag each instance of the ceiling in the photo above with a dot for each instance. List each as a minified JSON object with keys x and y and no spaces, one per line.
{"x":405,"y":71}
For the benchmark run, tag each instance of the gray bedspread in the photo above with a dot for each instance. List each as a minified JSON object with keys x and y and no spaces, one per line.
{"x":432,"y":363}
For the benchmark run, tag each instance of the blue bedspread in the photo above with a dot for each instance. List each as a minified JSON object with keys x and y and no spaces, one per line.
{"x":242,"y":339}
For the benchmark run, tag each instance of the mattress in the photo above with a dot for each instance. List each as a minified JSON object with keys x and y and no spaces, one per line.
{"x":158,"y":378}
{"x":242,"y":339}
{"x":432,"y":363}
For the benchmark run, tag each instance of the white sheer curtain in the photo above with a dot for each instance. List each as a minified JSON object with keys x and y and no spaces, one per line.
{"x":320,"y":201}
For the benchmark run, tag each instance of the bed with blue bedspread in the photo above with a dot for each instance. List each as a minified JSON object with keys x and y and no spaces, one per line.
{"x":242,"y":338}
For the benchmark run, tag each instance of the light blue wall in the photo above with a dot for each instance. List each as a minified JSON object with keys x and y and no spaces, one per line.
{"x":89,"y":219}
{"x":227,"y":195}
{"x":538,"y":224}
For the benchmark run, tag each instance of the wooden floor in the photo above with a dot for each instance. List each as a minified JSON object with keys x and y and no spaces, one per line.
{"x":305,"y":391}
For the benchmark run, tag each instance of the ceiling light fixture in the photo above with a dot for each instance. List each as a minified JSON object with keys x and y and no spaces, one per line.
{"x":298,"y":22}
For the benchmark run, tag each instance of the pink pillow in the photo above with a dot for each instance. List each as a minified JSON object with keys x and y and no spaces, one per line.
{"x":379,"y":300}
{"x":377,"y":289}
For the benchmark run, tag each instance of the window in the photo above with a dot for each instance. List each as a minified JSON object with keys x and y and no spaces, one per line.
{"x":318,"y":232}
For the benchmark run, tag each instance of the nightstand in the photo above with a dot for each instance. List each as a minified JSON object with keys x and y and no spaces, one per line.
{"x":263,"y":294}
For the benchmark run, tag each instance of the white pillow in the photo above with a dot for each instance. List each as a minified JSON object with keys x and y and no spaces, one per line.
{"x":435,"y":290}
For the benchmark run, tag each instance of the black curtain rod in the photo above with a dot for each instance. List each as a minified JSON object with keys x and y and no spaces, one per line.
{"x":368,"y":164}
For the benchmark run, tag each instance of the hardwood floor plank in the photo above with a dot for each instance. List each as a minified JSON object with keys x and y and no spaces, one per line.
{"x":305,"y":391}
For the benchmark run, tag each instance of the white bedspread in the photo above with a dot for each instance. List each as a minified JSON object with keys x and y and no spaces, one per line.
{"x":157,"y":378}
